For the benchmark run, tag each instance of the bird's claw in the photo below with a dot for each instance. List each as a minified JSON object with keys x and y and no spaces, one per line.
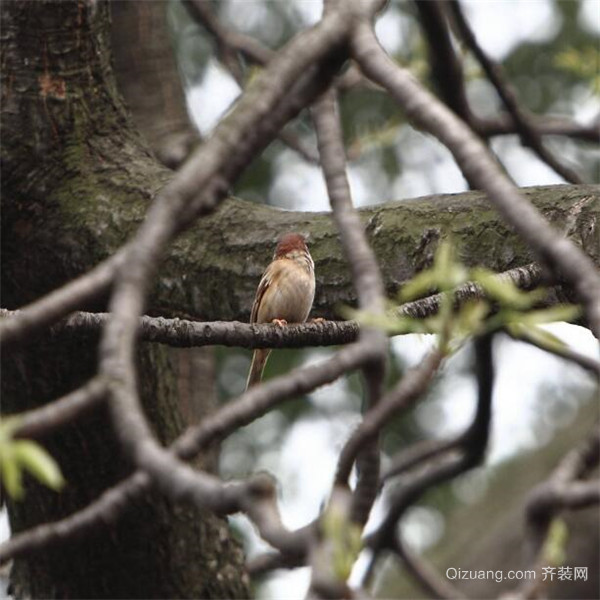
{"x":279,"y":322}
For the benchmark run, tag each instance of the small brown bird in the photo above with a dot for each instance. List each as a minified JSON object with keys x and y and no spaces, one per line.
{"x":285,"y":293}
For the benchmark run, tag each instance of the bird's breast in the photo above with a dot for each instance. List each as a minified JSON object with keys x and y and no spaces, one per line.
{"x":290,"y":297}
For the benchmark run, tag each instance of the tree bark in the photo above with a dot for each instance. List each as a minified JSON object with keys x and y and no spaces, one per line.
{"x":148,"y":77}
{"x":68,"y":145}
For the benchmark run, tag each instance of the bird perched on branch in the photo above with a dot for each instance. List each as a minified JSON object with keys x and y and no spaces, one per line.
{"x":285,"y":293}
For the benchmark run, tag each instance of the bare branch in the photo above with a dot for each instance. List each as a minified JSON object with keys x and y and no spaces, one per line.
{"x":400,"y":398}
{"x":521,"y":118}
{"x":229,"y":43}
{"x":546,"y":125}
{"x":470,"y":445}
{"x":422,"y":572}
{"x":103,"y":511}
{"x":559,"y":492}
{"x":61,"y":302}
{"x":258,"y":400}
{"x":39,"y":422}
{"x":475,"y":161}
{"x":584,"y":361}
{"x":365,"y":270}
{"x":253,"y":404}
{"x":182,"y":333}
{"x":367,"y":279}
{"x":228,"y":39}
{"x":563,"y":490}
{"x":270,"y":561}
{"x":416,"y":454}
{"x":445,"y":66}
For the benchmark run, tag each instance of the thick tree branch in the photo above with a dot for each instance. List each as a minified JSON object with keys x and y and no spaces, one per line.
{"x":196,"y":260}
{"x":257,"y":117}
{"x":477,"y":164}
{"x":183,"y":333}
{"x":367,"y":279}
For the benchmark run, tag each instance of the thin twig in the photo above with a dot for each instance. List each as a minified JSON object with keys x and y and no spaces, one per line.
{"x":400,"y":398}
{"x":472,"y":444}
{"x":563,"y":490}
{"x":585,"y":362}
{"x":256,"y":118}
{"x":416,"y":454}
{"x":564,"y":256}
{"x":367,"y":279}
{"x":229,"y":43}
{"x":546,"y":125}
{"x":424,"y":574}
{"x":521,"y":118}
{"x":256,"y":402}
{"x":38,"y":422}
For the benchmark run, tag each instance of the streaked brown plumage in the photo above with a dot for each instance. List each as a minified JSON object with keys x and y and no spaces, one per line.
{"x":285,"y":293}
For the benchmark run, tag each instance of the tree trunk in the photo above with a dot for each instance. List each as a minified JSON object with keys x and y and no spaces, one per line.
{"x":148,"y":77}
{"x":68,"y":146}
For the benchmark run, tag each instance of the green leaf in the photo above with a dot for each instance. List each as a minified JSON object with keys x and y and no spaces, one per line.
{"x":418,"y":286}
{"x":449,"y":273}
{"x":39,"y":463}
{"x":471,"y":316}
{"x":10,"y":472}
{"x":392,"y":322}
{"x":8,"y":426}
{"x":556,"y":542}
{"x":505,"y":292}
{"x":564,"y":312}
{"x":540,"y":336}
{"x":345,"y":539}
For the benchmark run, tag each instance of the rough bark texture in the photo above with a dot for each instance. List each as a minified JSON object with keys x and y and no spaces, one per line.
{"x":214,"y":269}
{"x":67,"y":146}
{"x":148,"y":78}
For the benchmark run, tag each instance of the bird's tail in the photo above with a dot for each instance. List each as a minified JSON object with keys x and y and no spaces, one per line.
{"x":259,"y":360}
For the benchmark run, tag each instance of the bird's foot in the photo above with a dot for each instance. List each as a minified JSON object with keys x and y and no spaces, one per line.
{"x":279,"y":322}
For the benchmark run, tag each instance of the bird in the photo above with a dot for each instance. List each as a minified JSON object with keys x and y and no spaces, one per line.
{"x":284,"y":295}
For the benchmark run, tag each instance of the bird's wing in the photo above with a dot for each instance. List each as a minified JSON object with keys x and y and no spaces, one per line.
{"x":264,"y":284}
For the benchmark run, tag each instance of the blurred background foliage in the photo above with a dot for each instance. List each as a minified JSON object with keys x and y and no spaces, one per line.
{"x":549,"y":52}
